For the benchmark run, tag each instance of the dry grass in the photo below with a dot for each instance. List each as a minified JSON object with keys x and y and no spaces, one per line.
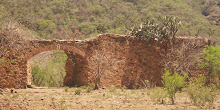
{"x":107,"y":99}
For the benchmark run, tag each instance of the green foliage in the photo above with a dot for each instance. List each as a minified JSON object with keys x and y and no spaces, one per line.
{"x":158,"y":95}
{"x":167,"y":29}
{"x":44,"y":78}
{"x":78,"y":91}
{"x":211,"y":61}
{"x":199,"y":94}
{"x":51,"y":71}
{"x":106,"y":16}
{"x":172,"y":83}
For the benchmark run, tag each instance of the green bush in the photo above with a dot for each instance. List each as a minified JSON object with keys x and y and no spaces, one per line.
{"x":211,"y":61}
{"x":199,"y":94}
{"x":173,"y":83}
{"x":50,"y":72}
{"x":41,"y":77}
{"x":78,"y":91}
{"x":158,"y":95}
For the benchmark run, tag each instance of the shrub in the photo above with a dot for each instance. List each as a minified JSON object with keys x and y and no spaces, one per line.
{"x":42,"y":77}
{"x":211,"y":62}
{"x":78,"y":91}
{"x":172,"y":83}
{"x":158,"y":95}
{"x":199,"y":94}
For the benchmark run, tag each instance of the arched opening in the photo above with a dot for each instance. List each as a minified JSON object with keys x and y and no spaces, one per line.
{"x":56,"y":68}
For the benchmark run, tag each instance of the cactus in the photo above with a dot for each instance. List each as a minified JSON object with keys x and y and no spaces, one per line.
{"x":148,"y":30}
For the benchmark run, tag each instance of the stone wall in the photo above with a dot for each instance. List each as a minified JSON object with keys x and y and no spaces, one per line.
{"x":134,"y":60}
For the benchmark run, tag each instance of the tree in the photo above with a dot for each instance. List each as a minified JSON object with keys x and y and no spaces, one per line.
{"x":100,"y":62}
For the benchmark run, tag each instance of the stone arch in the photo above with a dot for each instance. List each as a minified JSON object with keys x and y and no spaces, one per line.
{"x":75,"y":62}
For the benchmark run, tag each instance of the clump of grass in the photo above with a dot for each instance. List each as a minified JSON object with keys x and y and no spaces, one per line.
{"x":66,"y":89}
{"x":90,"y":87}
{"x":158,"y":95}
{"x":83,"y":87}
{"x":63,"y":104}
{"x":78,"y":91}
{"x":112,"y":89}
{"x":15,"y":96}
{"x":123,"y":88}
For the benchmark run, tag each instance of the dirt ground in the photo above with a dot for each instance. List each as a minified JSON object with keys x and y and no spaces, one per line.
{"x":103,"y":99}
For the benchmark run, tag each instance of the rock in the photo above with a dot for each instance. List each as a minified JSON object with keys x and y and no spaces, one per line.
{"x":12,"y":90}
{"x":31,"y":86}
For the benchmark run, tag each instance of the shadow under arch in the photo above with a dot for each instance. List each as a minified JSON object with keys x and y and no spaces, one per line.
{"x":74,"y":67}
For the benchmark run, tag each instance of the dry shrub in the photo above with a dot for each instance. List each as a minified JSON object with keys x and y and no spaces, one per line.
{"x":14,"y":37}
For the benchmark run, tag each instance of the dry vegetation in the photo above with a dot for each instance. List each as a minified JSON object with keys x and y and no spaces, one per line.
{"x":108,"y":99}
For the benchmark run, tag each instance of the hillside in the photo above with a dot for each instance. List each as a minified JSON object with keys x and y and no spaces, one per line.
{"x":79,"y":19}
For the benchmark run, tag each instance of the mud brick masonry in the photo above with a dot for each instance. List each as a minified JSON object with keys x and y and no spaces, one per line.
{"x":136,"y":60}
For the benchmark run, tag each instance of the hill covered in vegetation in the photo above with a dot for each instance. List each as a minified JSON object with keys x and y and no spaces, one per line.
{"x":79,"y":19}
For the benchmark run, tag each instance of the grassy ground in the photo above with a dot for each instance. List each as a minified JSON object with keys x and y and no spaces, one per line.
{"x":107,"y":99}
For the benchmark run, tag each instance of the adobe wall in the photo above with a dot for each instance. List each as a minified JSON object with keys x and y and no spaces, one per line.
{"x":134,"y":60}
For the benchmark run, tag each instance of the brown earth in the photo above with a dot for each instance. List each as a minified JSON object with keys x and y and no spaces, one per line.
{"x":103,"y":99}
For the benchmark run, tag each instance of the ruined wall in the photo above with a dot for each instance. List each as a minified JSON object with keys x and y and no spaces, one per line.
{"x":137,"y":60}
{"x":134,"y":60}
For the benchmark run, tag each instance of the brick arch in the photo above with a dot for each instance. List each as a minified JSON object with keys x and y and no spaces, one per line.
{"x":72,"y":77}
